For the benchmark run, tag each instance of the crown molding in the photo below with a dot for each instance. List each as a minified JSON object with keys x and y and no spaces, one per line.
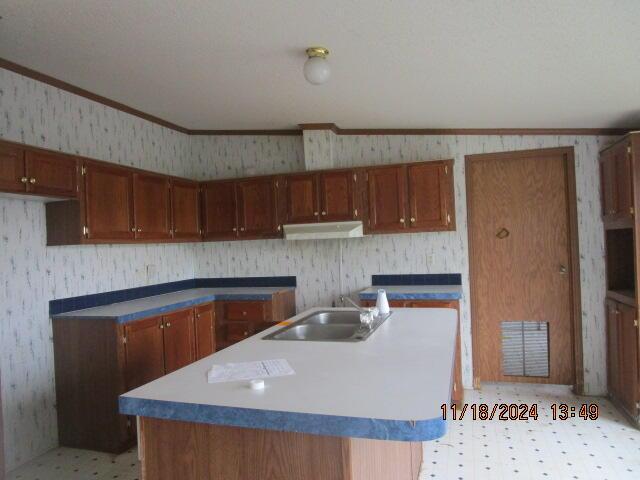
{"x":62,"y":85}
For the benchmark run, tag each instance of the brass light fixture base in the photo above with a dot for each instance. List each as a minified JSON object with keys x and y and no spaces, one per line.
{"x":317,"y":52}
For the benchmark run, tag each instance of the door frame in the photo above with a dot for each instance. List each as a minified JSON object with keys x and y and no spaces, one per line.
{"x":574,"y":255}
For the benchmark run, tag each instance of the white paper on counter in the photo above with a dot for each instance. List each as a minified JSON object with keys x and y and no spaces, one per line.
{"x":230,"y":372}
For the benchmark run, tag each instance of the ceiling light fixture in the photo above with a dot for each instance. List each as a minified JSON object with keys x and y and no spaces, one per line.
{"x":316,"y":68}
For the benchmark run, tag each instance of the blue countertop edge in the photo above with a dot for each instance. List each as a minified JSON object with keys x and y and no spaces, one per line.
{"x":414,"y":296}
{"x":317,"y":424}
{"x":173,"y":306}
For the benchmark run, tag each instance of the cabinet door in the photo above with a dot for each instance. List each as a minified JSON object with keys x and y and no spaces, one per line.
{"x":628,"y":346}
{"x":219,"y":203}
{"x":12,"y":173}
{"x":205,"y":330}
{"x":185,"y":209}
{"x":607,"y":182}
{"x":613,"y":357}
{"x":387,"y":198}
{"x":301,"y":196}
{"x":429,"y":195}
{"x":336,"y":196}
{"x":624,"y":185}
{"x":144,"y":351}
{"x":51,"y":173}
{"x":109,"y":202}
{"x":152,"y":206}
{"x":179,"y":348}
{"x":257,"y":208}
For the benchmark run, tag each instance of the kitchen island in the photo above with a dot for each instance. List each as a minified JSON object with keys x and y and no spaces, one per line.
{"x":351,"y":411}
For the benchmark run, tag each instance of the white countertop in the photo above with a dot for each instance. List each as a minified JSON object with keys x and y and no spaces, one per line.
{"x":403,"y":371}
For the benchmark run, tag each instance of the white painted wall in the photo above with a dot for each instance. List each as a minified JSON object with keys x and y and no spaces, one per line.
{"x":31,"y":274}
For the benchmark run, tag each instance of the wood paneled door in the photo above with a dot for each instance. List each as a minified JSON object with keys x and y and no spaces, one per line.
{"x":617,"y":185}
{"x":185,"y":209}
{"x":204,"y":323}
{"x":12,"y":171}
{"x":152,"y":206}
{"x":388,"y":198}
{"x":144,"y":352}
{"x":524,"y":265}
{"x":219,"y":205}
{"x":179,"y":348}
{"x":337,"y":195}
{"x":301,"y":198}
{"x":108,"y":202}
{"x":51,"y":173}
{"x":257,"y":208}
{"x":429,"y":195}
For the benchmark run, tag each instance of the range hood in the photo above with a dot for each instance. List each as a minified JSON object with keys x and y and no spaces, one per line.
{"x":323,"y":230}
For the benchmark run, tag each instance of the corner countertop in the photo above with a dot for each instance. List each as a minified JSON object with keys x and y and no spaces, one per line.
{"x":388,"y":387}
{"x":414,"y":292}
{"x":123,"y":312}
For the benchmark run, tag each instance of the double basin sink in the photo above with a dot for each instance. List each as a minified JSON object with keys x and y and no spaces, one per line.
{"x":329,"y":326}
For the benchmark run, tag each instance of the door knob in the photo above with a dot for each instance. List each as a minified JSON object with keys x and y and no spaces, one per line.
{"x":562,"y":270}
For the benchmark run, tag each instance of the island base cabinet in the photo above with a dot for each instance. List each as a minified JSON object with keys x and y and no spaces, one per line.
{"x":171,"y":449}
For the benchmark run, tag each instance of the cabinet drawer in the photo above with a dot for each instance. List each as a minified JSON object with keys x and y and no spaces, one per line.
{"x":245,"y":311}
{"x":238,"y":331}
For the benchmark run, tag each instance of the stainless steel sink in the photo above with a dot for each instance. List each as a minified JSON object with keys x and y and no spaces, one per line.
{"x":328,"y":326}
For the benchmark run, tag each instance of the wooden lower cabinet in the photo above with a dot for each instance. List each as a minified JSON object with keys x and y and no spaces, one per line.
{"x":457,"y":392}
{"x":622,"y":357}
{"x":238,"y":320}
{"x":96,"y":361}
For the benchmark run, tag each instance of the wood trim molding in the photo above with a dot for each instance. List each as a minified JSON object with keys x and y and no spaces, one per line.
{"x":49,"y":80}
{"x":54,"y":82}
{"x":574,"y":254}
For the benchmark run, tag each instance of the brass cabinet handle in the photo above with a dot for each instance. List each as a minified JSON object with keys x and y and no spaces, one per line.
{"x":139,"y":229}
{"x":279,"y":227}
{"x":315,"y":213}
{"x":161,"y":325}
{"x":562,"y":270}
{"x":133,"y":229}
{"x":32,"y":180}
{"x":24,"y":179}
{"x":244,"y":314}
{"x":402,"y":220}
{"x":234,"y":229}
{"x":242,"y":229}
{"x":413,"y":220}
{"x":168,"y":324}
{"x":324,"y":213}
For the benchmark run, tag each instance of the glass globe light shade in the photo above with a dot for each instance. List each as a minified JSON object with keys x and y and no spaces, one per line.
{"x":317,"y":70}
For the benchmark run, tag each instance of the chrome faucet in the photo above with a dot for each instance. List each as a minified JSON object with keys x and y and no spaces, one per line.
{"x":358,"y":307}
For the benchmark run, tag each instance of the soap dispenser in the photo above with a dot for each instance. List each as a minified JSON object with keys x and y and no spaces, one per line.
{"x":382,"y":304}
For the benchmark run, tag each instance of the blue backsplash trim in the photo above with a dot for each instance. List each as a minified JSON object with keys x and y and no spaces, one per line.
{"x":418,"y":279}
{"x":96,"y":300}
{"x":414,"y":296}
{"x":335,"y":425}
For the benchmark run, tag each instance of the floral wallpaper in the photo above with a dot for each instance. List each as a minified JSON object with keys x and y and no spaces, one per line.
{"x":33,"y":274}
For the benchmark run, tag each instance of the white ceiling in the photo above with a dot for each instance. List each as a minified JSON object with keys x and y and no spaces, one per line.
{"x":224,"y":64}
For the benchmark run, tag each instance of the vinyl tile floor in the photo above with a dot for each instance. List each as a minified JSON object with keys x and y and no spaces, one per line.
{"x":606,"y":448}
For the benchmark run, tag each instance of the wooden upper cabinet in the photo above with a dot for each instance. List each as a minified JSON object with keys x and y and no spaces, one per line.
{"x":179,"y":347}
{"x":12,"y":169}
{"x":108,"y":202}
{"x":337,"y":192}
{"x":144,"y":352}
{"x":51,"y":173}
{"x":628,"y":352}
{"x":387,"y":199}
{"x":257,"y":207}
{"x":219,"y":204}
{"x":430,"y":195}
{"x":301,"y":198}
{"x":616,"y":182}
{"x":152,"y":206}
{"x":204,"y":324}
{"x":185,"y":209}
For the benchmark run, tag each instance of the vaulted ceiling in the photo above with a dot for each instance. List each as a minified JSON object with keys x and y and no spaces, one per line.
{"x":395,"y":64}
